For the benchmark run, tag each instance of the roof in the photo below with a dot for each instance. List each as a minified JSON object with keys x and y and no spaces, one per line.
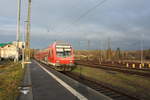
{"x":61,"y":43}
{"x":4,"y":44}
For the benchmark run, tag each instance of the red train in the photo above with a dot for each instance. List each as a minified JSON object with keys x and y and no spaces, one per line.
{"x":60,"y":55}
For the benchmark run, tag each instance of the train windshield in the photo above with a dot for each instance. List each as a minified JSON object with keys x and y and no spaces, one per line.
{"x":63,"y":52}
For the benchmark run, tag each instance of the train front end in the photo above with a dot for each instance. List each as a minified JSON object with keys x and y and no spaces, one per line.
{"x":64,"y":57}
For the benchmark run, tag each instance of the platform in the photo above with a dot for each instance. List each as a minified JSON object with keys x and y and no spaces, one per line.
{"x":52,"y":85}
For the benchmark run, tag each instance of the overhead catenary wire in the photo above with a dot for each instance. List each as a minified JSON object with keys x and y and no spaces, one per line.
{"x":99,"y":3}
{"x":86,"y":13}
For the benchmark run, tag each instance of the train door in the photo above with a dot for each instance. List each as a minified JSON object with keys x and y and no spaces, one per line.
{"x":50,"y":55}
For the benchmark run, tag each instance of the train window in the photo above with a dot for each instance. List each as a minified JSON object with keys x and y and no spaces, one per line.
{"x":49,"y":54}
{"x":67,"y":53}
{"x":59,"y":54}
{"x":63,"y":53}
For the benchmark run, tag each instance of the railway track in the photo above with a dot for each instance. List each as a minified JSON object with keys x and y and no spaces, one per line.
{"x":144,"y":73}
{"x":144,"y":67}
{"x":98,"y":86}
{"x":117,"y":64}
{"x":101,"y":87}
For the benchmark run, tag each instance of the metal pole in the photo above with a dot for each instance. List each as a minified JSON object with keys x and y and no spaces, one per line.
{"x":27,"y":49}
{"x":109,"y":50}
{"x":23,"y":56}
{"x":142,"y":49}
{"x":100,"y":53}
{"x":18,"y":30}
{"x":88,"y":49}
{"x":18,"y":36}
{"x":88,"y":44}
{"x":23,"y":49}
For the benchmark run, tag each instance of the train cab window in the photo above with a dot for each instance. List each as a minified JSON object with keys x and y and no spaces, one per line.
{"x":67,"y":53}
{"x":63,"y":52}
{"x":60,"y":54}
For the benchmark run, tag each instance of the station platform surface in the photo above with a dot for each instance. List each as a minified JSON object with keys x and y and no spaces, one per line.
{"x":48,"y":84}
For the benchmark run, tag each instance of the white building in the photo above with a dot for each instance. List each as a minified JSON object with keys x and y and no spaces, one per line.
{"x":9,"y":50}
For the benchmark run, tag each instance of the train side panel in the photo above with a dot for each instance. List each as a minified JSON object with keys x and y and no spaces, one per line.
{"x":58,"y":55}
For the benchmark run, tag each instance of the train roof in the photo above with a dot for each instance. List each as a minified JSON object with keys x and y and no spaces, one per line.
{"x":61,"y":43}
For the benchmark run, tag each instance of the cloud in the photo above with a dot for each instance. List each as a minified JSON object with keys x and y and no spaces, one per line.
{"x":121,"y":20}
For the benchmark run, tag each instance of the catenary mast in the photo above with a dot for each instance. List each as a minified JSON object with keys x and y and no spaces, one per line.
{"x":18,"y":36}
{"x":27,"y":42}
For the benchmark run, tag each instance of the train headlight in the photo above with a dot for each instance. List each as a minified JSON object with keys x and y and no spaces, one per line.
{"x":70,"y":61}
{"x":57,"y":61}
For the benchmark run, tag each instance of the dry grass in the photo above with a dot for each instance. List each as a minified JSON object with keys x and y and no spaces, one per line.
{"x":10,"y":78}
{"x":135,"y":85}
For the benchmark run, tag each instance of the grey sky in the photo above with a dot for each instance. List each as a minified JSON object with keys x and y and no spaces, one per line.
{"x":123,"y":21}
